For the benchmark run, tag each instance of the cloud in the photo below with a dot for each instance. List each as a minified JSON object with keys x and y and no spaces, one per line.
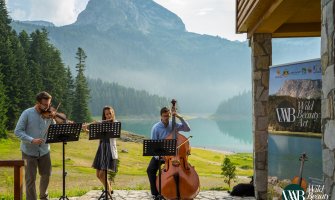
{"x":60,"y":12}
{"x":211,"y":17}
{"x":18,"y":14}
{"x":204,"y":11}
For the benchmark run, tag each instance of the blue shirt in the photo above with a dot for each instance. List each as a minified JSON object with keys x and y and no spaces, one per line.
{"x":159,"y":131}
{"x":31,"y":125}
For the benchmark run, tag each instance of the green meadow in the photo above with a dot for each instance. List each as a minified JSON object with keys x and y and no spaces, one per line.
{"x":132,"y":175}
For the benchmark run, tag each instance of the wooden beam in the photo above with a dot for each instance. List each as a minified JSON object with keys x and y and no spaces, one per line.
{"x":299,"y":27}
{"x":11,"y":163}
{"x":18,"y":175}
{"x":296,"y":34}
{"x":279,"y":13}
{"x":244,"y":13}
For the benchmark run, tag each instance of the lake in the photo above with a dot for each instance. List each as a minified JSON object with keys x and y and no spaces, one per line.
{"x":232,"y":136}
{"x":284,"y":153}
{"x":236,"y":136}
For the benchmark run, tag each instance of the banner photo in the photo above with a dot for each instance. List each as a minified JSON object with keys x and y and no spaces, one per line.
{"x":295,"y":97}
{"x":295,"y":120}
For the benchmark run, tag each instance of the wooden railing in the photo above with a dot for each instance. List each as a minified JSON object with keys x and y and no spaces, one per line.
{"x":18,"y":175}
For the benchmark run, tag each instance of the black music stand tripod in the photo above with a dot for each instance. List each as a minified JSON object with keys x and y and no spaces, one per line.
{"x":166,"y":147}
{"x":105,"y":131}
{"x":63,"y":133}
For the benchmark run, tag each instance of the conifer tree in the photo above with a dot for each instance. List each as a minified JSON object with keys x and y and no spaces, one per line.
{"x":69,"y":94}
{"x":8,"y":62}
{"x":25,"y":42}
{"x":46,"y":61}
{"x":20,"y":94}
{"x":3,"y":109}
{"x":5,"y":28}
{"x":34,"y":64}
{"x":26,"y":95}
{"x":80,"y":111}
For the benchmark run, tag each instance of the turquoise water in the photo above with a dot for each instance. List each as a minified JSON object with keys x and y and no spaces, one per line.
{"x":284,"y":153}
{"x":221,"y":135}
{"x":236,"y":136}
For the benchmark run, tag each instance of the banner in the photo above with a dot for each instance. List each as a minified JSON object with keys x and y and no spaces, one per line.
{"x":295,"y":111}
{"x":295,"y":97}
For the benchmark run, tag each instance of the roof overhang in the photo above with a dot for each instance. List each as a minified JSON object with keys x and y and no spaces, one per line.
{"x":281,"y":18}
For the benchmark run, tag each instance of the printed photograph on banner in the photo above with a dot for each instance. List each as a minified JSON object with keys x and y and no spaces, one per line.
{"x":295,"y":97}
{"x":294,"y":124}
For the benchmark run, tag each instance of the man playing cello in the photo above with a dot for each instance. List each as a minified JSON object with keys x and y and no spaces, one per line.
{"x":160,"y":131}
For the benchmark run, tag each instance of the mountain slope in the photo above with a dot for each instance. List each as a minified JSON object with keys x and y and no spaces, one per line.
{"x":301,"y":88}
{"x":140,"y":44}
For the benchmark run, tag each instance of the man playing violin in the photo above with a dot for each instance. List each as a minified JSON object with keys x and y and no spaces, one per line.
{"x":160,"y":131}
{"x":31,"y":128}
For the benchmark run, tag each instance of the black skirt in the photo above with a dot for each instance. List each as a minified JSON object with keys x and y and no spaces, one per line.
{"x":99,"y":161}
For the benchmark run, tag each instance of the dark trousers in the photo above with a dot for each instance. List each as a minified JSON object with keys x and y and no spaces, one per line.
{"x":152,"y":171}
{"x":43,"y":164}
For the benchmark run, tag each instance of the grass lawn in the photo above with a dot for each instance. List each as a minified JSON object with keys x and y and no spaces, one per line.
{"x":132,"y":170}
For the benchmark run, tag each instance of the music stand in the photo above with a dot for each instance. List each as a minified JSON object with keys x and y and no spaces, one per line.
{"x":166,"y":147}
{"x":105,"y":131}
{"x":63,"y":133}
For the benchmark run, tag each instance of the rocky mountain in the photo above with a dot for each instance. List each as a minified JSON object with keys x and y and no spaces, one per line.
{"x":142,"y":15}
{"x":140,"y":44}
{"x":301,"y":88}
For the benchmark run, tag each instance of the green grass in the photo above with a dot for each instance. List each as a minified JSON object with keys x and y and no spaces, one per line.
{"x":132,"y":170}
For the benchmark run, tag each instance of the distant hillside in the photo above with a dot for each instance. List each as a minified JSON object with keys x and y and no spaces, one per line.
{"x":125,"y":101}
{"x":301,"y":89}
{"x":236,"y":107}
{"x":38,"y":23}
{"x":140,"y":44}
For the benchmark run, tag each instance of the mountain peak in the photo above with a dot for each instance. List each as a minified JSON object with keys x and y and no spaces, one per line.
{"x":143,"y":15}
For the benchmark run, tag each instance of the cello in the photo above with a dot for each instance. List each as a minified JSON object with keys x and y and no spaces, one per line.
{"x":179,"y":180}
{"x":299,"y":180}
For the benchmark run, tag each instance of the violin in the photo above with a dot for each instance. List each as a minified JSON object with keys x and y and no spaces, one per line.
{"x":179,"y":180}
{"x":298,"y":179}
{"x":51,"y":113}
{"x":85,"y":126}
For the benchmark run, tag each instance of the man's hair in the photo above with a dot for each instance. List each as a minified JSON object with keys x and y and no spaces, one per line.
{"x":43,"y":95}
{"x":164,"y":110}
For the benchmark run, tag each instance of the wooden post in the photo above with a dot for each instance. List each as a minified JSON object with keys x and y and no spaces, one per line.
{"x":18,"y":175}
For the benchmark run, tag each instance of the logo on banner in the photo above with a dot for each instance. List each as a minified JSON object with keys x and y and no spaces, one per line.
{"x":316,"y":192}
{"x":285,"y":113}
{"x":304,"y":114}
{"x":285,"y":73}
{"x":293,"y":192}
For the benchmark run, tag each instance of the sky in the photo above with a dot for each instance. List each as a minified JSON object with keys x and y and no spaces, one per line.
{"x":212,"y":17}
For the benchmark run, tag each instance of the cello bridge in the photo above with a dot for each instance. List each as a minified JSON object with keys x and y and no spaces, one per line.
{"x":176,"y":163}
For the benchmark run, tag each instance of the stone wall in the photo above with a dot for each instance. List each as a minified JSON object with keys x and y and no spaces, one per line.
{"x":261,"y":48}
{"x":328,"y":98}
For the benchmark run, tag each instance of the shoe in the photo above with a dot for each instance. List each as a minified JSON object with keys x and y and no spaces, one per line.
{"x":44,"y":197}
{"x":157,"y":198}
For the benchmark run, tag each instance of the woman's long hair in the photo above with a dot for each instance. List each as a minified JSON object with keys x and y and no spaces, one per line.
{"x":108,"y":108}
